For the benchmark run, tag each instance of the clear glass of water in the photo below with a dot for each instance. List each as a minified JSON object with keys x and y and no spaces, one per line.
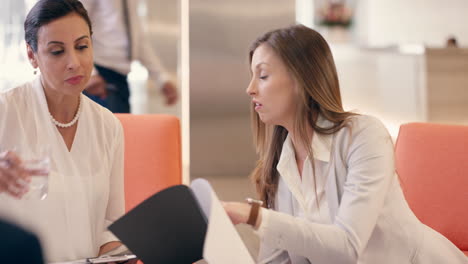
{"x":38,"y":164}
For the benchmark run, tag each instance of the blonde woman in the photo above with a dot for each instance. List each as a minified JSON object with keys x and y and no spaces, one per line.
{"x":325,"y":176}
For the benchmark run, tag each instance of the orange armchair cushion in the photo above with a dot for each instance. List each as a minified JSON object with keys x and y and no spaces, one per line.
{"x":152,"y":155}
{"x":432,"y":163}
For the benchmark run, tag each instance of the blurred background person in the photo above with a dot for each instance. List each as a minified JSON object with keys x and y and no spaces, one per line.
{"x":119,"y":40}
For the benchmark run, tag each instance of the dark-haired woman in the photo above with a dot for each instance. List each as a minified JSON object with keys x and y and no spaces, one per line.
{"x":85,"y":187}
{"x":326,"y":176}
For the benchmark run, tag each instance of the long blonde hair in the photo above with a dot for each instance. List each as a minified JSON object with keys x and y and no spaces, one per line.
{"x":308,"y":57}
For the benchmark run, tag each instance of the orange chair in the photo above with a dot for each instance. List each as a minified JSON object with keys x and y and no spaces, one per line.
{"x":152,"y":155}
{"x":432,"y":163}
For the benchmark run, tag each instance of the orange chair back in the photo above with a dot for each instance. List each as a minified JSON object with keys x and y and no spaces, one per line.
{"x":432,"y":163}
{"x":152,"y":155}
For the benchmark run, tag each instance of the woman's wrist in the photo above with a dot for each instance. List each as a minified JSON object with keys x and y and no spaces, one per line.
{"x":254,"y":218}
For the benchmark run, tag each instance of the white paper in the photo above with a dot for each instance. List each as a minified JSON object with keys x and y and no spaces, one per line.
{"x":223,"y":244}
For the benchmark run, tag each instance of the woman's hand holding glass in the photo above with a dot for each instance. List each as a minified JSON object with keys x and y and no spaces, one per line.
{"x":18,"y":177}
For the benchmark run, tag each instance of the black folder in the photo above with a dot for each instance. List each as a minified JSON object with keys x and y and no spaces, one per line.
{"x":168,"y":227}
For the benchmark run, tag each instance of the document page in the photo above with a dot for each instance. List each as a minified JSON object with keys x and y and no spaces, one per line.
{"x":223,"y":245}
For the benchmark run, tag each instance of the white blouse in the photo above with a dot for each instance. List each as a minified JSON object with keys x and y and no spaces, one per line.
{"x":304,"y":203}
{"x":85,"y":192}
{"x":296,"y":194}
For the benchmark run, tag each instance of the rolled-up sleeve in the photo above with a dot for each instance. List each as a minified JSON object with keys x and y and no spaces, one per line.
{"x":116,"y":202}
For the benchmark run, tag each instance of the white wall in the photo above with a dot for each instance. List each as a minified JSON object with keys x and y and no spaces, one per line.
{"x":384,"y":83}
{"x":429,"y":22}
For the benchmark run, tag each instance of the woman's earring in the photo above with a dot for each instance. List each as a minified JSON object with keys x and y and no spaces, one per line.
{"x":35,"y":71}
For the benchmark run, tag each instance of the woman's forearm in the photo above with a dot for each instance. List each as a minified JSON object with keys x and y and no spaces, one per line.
{"x":109,"y":246}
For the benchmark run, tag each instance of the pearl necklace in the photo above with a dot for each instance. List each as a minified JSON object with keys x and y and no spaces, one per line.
{"x":71,"y":123}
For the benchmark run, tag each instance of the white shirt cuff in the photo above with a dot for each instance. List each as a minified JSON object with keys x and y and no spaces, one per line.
{"x":263,"y":227}
{"x":160,"y":79}
{"x":274,"y":228}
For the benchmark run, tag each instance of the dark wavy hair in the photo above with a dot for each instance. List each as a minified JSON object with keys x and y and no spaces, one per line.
{"x":46,"y":11}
